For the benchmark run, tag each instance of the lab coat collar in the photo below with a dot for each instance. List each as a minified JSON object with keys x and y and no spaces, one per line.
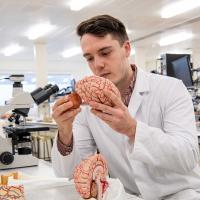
{"x":141,"y":87}
{"x":142,"y":81}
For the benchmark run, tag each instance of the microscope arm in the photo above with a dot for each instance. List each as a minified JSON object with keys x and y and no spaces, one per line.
{"x":23,"y":100}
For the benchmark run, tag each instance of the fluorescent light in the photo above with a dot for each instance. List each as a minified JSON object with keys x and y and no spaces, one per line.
{"x":175,"y":38}
{"x":132,"y":51}
{"x":77,"y":5}
{"x":179,"y":8}
{"x":129,"y":31}
{"x":12,"y":49}
{"x":39,"y":30}
{"x":71,"y":52}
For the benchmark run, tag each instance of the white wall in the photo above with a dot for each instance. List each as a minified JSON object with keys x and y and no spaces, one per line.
{"x":77,"y":69}
{"x":81,"y":69}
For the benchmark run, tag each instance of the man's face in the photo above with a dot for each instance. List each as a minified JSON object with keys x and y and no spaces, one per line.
{"x":106,"y":57}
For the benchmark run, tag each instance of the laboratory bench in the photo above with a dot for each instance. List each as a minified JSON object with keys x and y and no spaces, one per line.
{"x":48,"y":186}
{"x":51,"y":125}
{"x":44,"y":169}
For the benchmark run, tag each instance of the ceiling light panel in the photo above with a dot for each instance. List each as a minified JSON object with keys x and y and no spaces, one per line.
{"x":12,"y":49}
{"x":38,"y":30}
{"x":76,"y":5}
{"x":179,"y":7}
{"x":129,"y":31}
{"x":71,"y":52}
{"x":175,"y":38}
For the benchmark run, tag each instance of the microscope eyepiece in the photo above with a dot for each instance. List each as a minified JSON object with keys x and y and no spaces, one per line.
{"x":54,"y":88}
{"x":47,"y":86}
{"x":36,"y":91}
{"x":40,"y":95}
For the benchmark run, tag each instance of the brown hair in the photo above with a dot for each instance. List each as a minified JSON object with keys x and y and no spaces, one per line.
{"x":102,"y":25}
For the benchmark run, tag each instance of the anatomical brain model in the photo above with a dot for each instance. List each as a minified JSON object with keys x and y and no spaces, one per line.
{"x":91,"y":87}
{"x":90,"y":177}
{"x":8,"y":192}
{"x":11,"y":192}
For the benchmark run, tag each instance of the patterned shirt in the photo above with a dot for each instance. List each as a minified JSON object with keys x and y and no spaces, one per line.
{"x":128,"y":92}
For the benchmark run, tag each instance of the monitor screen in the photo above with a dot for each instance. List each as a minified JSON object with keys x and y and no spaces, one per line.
{"x":182,"y":70}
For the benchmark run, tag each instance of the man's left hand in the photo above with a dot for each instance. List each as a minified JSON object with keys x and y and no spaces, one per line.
{"x":117,"y":116}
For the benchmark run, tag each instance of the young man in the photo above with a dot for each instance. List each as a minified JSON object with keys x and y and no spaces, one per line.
{"x":148,"y":137}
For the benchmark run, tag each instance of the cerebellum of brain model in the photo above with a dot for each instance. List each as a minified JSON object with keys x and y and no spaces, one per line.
{"x":90,"y":177}
{"x":91,"y":89}
{"x":76,"y":100}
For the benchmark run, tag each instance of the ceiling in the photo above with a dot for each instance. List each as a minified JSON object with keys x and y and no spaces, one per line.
{"x":140,"y":16}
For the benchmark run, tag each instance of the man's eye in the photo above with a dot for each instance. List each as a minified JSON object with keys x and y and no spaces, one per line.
{"x":105,"y":53}
{"x":89,"y":59}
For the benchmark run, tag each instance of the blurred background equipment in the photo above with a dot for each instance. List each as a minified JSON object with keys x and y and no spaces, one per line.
{"x":15,"y":145}
{"x":179,"y":66}
{"x":17,"y":85}
{"x":67,"y":90}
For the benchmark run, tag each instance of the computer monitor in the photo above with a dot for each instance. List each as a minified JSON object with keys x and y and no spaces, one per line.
{"x":182,"y":70}
{"x":166,"y":62}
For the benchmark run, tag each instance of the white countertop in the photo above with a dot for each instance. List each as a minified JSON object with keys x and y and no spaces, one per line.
{"x":49,"y":190}
{"x":51,"y":125}
{"x":43,"y":169}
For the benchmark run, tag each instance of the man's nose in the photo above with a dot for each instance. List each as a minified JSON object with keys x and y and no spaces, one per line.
{"x":99,"y":63}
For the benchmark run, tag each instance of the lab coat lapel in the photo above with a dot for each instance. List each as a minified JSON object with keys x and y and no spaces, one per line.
{"x":135,"y":103}
{"x":141,"y":86}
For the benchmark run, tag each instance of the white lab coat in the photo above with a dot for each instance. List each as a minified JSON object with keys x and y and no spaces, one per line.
{"x":162,"y":163}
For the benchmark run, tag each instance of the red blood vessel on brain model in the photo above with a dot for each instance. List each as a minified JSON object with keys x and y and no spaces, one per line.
{"x":90,"y":89}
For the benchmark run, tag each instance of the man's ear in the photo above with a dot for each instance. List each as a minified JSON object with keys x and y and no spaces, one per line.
{"x":127,"y":48}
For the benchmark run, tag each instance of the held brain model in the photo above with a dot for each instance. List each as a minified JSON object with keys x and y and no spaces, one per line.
{"x":90,"y":177}
{"x":91,"y":89}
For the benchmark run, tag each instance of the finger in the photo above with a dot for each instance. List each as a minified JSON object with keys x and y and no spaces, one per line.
{"x":62,"y":108}
{"x":105,"y":117}
{"x":67,"y":116}
{"x":70,"y":114}
{"x":116,"y":100}
{"x":60,"y":102}
{"x":102,"y":107}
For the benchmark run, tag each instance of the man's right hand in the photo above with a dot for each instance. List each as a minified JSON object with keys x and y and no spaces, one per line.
{"x":64,"y":115}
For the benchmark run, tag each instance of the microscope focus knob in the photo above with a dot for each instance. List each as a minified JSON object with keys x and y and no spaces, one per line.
{"x":6,"y":158}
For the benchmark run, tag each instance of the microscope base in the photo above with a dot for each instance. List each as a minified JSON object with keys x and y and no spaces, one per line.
{"x":21,"y":161}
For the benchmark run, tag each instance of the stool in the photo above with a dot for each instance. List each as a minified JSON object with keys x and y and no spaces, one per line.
{"x":43,"y":140}
{"x":34,"y":145}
